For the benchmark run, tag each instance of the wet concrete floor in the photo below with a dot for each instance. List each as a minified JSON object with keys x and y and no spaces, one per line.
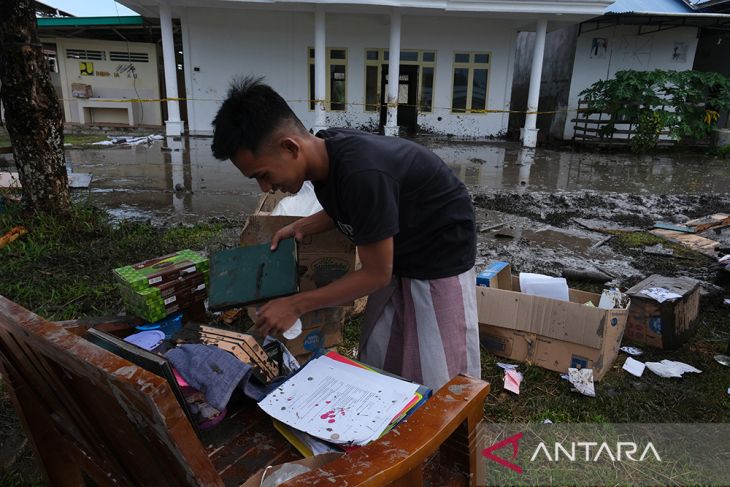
{"x":186,"y":185}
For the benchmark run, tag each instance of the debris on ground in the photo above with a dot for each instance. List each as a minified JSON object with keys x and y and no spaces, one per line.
{"x":658,"y":249}
{"x":634,"y":367}
{"x":722,"y":359}
{"x":582,"y":380}
{"x":12,"y":235}
{"x":129,"y":140}
{"x":669,"y":368}
{"x":632,"y":351}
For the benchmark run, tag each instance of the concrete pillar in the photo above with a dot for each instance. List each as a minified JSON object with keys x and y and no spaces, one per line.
{"x":391,"y":125}
{"x":529,"y":133}
{"x":320,"y":69}
{"x":173,"y":124}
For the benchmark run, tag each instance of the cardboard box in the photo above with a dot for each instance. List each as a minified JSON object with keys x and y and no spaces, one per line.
{"x":497,"y":274}
{"x":312,"y":463}
{"x":550,"y":333}
{"x":664,"y":325}
{"x":321,"y":259}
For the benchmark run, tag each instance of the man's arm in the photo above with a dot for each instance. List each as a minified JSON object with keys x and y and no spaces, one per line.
{"x":280,"y":314}
{"x":310,"y":225}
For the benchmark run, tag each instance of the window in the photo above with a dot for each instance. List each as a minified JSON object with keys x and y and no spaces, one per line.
{"x":336,"y":90}
{"x":138,"y":57}
{"x":376,"y":58}
{"x":86,"y":54}
{"x":471,"y":80}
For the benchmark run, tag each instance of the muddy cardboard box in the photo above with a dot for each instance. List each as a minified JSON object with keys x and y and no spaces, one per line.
{"x":548,"y":332}
{"x":321,"y":259}
{"x":668,"y":324}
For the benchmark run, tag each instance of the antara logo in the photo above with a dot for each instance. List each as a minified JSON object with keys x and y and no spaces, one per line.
{"x":575,"y":451}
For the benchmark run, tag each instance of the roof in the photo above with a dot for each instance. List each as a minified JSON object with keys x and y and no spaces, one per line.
{"x":648,"y":7}
{"x":88,"y":21}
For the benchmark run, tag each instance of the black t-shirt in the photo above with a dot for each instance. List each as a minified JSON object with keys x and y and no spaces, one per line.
{"x":380,"y":187}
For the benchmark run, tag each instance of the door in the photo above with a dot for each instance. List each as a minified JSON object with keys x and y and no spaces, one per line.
{"x":407,"y":98}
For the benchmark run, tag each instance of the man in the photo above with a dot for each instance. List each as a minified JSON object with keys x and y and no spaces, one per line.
{"x":411,"y":219}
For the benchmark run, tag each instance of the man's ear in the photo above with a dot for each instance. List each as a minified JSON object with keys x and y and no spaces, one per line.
{"x":291,"y":146}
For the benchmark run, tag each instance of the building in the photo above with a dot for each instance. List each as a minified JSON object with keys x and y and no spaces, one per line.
{"x":644,"y":35}
{"x":101,"y":66}
{"x":331,"y":60}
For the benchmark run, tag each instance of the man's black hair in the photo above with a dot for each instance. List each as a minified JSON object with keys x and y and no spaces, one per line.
{"x":250,"y":113}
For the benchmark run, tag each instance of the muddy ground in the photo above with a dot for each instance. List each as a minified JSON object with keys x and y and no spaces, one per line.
{"x":551,"y":232}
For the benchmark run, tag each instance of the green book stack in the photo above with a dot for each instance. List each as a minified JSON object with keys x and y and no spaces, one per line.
{"x":156,"y":288}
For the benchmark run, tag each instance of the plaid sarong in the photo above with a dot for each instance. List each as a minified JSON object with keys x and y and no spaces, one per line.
{"x":423,"y":330}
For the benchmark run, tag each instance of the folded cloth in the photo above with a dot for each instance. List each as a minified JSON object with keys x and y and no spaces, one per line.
{"x":214,"y":372}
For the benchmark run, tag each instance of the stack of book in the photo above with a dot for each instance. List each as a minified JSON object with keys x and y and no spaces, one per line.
{"x":158,"y":287}
{"x":337,"y":403}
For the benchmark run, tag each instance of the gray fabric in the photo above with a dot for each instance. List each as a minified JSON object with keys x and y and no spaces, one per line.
{"x":214,"y":372}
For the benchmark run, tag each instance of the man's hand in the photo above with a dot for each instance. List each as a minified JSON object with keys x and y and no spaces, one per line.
{"x":276,"y":316}
{"x":309,"y":225}
{"x":291,"y":230}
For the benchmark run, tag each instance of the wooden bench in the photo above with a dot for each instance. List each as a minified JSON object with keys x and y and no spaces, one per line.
{"x":95,"y":418}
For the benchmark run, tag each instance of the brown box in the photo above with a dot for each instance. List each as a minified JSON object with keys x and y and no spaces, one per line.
{"x":550,"y":333}
{"x":664,"y":325}
{"x":321,"y":259}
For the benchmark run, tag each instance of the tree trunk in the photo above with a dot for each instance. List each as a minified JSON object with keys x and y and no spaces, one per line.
{"x":33,"y":115}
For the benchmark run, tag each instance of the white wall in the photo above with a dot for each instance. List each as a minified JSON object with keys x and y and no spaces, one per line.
{"x":626,"y":50}
{"x":222,"y":43}
{"x":109,"y":82}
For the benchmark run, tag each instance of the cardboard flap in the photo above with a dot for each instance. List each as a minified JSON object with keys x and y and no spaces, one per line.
{"x":571,"y":322}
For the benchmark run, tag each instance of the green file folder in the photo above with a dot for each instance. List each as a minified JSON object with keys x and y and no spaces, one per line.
{"x":248,"y":275}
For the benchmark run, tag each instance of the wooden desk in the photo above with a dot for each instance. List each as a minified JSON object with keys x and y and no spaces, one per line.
{"x":84,"y":103}
{"x":91,"y":415}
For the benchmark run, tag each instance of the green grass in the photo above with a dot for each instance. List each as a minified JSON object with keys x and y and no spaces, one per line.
{"x":62,"y":269}
{"x":620,"y":397}
{"x":83,"y":139}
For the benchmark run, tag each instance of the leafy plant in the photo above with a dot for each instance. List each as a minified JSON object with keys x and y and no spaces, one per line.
{"x":685,"y":103}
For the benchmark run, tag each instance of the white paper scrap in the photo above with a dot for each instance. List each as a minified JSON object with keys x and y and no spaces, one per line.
{"x":669,"y":368}
{"x":507,"y":366}
{"x":631,"y":351}
{"x":339,"y":402}
{"x":512,"y":380}
{"x":547,"y":421}
{"x":582,"y":380}
{"x":634,"y":367}
{"x":724,"y":259}
{"x":661,"y":294}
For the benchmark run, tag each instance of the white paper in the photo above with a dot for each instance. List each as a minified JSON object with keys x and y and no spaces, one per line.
{"x":634,"y":367}
{"x":338,"y":402}
{"x":724,"y":259}
{"x":505,"y":366}
{"x":544,"y":286}
{"x":631,"y":351}
{"x":612,"y":299}
{"x":582,"y":380}
{"x":670,"y":368}
{"x":294,"y":331}
{"x":661,"y":294}
{"x":512,"y":380}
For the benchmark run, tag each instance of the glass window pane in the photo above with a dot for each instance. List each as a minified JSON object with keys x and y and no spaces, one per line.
{"x":458,"y":96}
{"x":338,"y":54}
{"x":386,"y":56}
{"x":429,"y":57}
{"x":461,"y":57}
{"x":371,"y":55}
{"x":311,"y":86}
{"x":481,"y":58}
{"x":311,"y":53}
{"x":427,"y":89}
{"x":337,"y":87}
{"x":479,"y":90}
{"x":371,"y":88}
{"x":409,"y":55}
